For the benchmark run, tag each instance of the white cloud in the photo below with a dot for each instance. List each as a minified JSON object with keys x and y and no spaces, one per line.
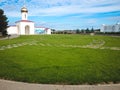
{"x":61,"y":7}
{"x":114,"y":18}
{"x":91,"y":21}
{"x":66,"y":7}
{"x":66,"y":10}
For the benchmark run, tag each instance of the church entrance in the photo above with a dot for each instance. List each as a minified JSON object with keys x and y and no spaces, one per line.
{"x":27,"y":30}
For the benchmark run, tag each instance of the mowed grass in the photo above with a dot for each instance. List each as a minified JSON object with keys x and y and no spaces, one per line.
{"x":56,"y":64}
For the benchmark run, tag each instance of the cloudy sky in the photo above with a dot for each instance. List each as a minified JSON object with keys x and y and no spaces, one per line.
{"x":64,"y":14}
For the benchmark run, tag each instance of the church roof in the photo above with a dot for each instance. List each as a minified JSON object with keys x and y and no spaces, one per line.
{"x":46,"y":29}
{"x":23,"y":21}
{"x":12,"y":26}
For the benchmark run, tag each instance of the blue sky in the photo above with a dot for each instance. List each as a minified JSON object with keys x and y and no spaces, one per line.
{"x":64,"y":14}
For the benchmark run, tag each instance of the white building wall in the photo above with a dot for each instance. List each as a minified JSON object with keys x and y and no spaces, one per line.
{"x":110,"y":28}
{"x":22,"y":26}
{"x":24,"y":16}
{"x":12,"y":30}
{"x":48,"y":31}
{"x":102,"y":28}
{"x":118,"y":27}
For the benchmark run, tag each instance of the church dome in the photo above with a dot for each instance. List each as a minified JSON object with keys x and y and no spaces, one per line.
{"x":24,"y":9}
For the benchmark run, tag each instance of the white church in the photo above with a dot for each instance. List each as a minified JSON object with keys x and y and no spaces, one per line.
{"x":26,"y":27}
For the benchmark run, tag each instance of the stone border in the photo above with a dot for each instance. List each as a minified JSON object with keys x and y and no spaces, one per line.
{"x":12,"y":85}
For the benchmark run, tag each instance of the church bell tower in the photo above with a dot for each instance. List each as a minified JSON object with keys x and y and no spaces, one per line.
{"x":24,"y":13}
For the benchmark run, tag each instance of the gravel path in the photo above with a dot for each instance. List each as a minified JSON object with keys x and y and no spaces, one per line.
{"x":12,"y":85}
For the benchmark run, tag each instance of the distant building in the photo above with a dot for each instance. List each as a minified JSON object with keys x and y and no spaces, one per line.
{"x":42,"y":30}
{"x":26,"y":27}
{"x":110,"y":28}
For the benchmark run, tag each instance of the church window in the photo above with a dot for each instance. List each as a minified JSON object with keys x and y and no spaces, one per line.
{"x":25,"y":15}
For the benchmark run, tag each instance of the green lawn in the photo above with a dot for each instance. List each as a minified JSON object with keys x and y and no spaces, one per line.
{"x":61,"y":59}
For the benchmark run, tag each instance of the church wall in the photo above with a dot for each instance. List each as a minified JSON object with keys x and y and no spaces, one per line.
{"x":22,"y":26}
{"x":24,"y":16}
{"x":12,"y":30}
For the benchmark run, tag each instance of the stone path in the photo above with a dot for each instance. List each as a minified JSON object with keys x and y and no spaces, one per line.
{"x":12,"y":85}
{"x":17,"y":45}
{"x":94,"y":45}
{"x":10,"y":37}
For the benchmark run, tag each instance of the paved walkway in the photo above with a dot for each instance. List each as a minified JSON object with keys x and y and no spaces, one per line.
{"x":12,"y":85}
{"x":10,"y":37}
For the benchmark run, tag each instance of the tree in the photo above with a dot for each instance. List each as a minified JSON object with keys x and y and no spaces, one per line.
{"x":53,"y":31}
{"x":82,"y":30}
{"x":3,"y":23}
{"x":87,"y":30}
{"x":92,"y":30}
{"x":77,"y":31}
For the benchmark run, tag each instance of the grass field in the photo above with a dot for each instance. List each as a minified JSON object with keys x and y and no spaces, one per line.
{"x":61,"y":59}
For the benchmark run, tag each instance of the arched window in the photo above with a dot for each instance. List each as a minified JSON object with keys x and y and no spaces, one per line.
{"x":25,"y":16}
